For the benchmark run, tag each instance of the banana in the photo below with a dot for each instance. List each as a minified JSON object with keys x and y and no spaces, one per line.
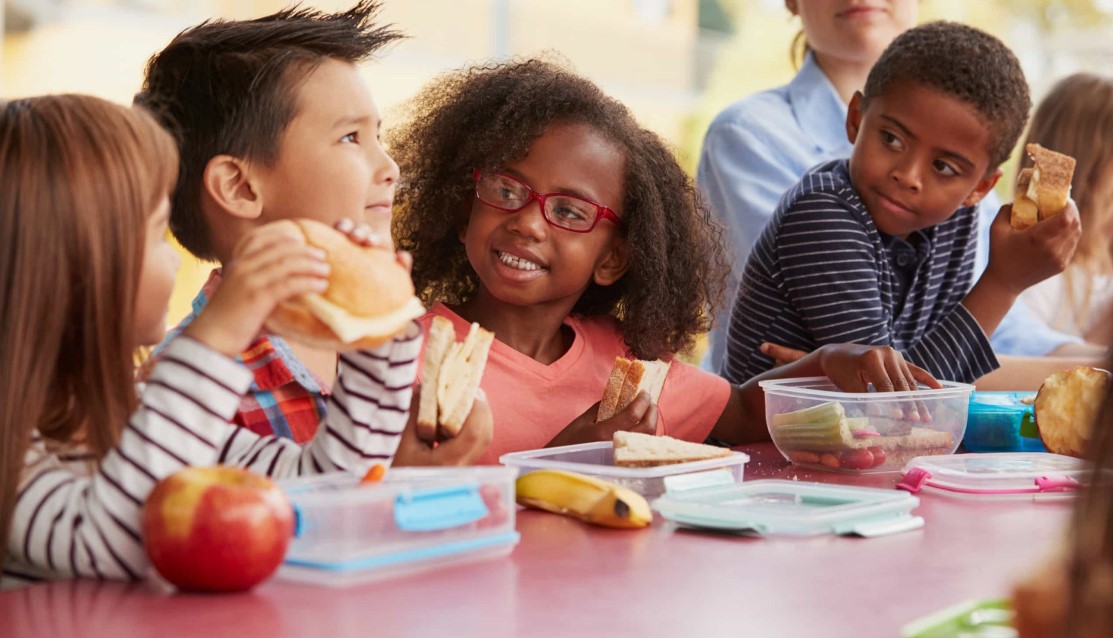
{"x":583,"y":497}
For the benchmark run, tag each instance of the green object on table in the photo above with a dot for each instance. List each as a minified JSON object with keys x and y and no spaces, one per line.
{"x":1028,"y":427}
{"x":990,"y":618}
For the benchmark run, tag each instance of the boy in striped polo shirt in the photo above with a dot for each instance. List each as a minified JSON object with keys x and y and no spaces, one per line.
{"x":879,"y":249}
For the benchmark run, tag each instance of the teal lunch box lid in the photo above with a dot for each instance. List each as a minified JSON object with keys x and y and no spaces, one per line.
{"x":799,"y":508}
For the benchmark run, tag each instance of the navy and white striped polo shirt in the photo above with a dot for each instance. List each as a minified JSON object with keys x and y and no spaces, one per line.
{"x":822,"y":273}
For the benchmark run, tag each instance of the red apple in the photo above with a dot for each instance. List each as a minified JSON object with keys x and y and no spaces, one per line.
{"x":216,"y":528}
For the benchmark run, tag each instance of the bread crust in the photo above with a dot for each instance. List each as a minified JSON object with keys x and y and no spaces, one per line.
{"x":1043,"y":190}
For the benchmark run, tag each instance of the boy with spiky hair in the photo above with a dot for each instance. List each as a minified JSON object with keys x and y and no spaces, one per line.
{"x":273,"y":121}
{"x":879,"y":249}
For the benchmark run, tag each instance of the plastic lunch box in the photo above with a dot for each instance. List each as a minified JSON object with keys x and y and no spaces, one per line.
{"x":1002,"y":422}
{"x":1009,"y":475}
{"x":416,"y":519}
{"x":815,"y":425}
{"x":597,"y":459}
{"x":796,"y":508}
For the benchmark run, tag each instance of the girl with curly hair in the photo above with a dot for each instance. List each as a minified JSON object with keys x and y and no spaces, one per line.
{"x":535,"y":205}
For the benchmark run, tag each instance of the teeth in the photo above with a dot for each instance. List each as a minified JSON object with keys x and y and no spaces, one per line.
{"x":517,"y":262}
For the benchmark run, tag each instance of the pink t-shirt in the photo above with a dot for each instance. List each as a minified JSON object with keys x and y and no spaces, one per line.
{"x":532,"y":402}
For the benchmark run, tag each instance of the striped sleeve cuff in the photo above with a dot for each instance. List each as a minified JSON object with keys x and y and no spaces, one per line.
{"x":956,"y":350}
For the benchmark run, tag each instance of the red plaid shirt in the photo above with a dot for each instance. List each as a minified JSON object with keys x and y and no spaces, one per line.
{"x":285,"y":398}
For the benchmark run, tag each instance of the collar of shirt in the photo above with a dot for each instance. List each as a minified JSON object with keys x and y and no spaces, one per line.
{"x":818,"y":108}
{"x":269,"y":357}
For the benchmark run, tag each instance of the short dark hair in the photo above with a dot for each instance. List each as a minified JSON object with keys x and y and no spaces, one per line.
{"x":230,"y":87}
{"x":966,"y":63}
{"x":484,"y":117}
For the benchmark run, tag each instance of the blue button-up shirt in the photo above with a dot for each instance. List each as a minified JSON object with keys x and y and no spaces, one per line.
{"x":760,"y":146}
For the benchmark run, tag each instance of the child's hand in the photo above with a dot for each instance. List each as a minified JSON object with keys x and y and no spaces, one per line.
{"x":853,"y":367}
{"x":463,"y":449}
{"x":639,"y":416}
{"x":1021,"y":258}
{"x":364,"y":235}
{"x":270,"y":265}
{"x":780,"y":354}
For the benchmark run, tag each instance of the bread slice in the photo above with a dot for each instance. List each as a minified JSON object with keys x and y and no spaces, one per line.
{"x":636,"y":376}
{"x":461,"y":372}
{"x":1026,"y":211}
{"x":632,"y":449}
{"x":450,"y":377}
{"x":614,"y":389}
{"x":441,"y":336}
{"x":1041,"y":191}
{"x":1052,"y":176}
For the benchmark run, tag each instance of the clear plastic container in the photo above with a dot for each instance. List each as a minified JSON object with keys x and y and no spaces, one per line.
{"x":1002,"y":422}
{"x":597,"y":459}
{"x":796,"y":508}
{"x":815,"y":425}
{"x":416,"y":519}
{"x":1008,"y":475}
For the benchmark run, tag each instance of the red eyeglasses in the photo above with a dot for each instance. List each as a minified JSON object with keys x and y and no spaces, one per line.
{"x":569,"y":212}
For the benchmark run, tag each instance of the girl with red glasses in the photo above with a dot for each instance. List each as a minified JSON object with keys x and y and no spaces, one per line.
{"x":535,"y":205}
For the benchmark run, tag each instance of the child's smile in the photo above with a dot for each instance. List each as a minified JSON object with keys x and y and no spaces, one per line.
{"x":524,"y":260}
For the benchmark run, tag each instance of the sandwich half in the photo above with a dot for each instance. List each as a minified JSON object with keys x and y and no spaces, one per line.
{"x":1041,"y":191}
{"x":450,"y":377}
{"x":628,"y":378}
{"x":632,"y":449}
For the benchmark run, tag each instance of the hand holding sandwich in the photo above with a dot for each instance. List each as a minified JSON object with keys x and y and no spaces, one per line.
{"x":463,"y":449}
{"x":274,"y":267}
{"x":639,"y":416}
{"x":1019,"y":259}
{"x":1022,"y":258}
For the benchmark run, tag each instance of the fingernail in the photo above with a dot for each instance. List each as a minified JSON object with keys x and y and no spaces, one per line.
{"x":318,"y":253}
{"x":345,"y":225}
{"x":322,"y":268}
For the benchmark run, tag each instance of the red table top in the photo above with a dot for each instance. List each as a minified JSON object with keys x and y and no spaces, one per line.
{"x":570,"y":579}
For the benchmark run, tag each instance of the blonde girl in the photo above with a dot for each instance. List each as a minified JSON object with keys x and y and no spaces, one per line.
{"x":1076,"y":118}
{"x":86,"y":274}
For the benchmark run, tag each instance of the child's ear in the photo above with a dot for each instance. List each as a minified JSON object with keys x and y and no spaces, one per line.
{"x":982,"y":189}
{"x":854,"y":117}
{"x":613,"y":265}
{"x":227,"y":180}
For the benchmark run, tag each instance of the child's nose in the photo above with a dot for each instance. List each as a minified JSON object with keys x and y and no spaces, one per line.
{"x":384,"y":168}
{"x":907,"y":175}
{"x":529,"y":220}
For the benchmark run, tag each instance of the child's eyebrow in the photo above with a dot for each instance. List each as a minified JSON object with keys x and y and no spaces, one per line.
{"x":958,"y":157}
{"x":355,"y":120}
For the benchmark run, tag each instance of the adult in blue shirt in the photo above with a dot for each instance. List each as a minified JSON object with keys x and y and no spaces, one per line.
{"x":762,"y":145}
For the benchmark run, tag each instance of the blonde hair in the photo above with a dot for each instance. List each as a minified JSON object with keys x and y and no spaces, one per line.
{"x":1076,"y":118}
{"x":78,"y":178}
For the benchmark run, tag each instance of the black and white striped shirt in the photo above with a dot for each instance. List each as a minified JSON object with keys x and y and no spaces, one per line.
{"x":74,"y":517}
{"x":821,"y":273}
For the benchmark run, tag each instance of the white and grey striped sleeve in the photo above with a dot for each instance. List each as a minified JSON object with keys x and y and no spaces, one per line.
{"x":366,"y":415}
{"x":67,"y":523}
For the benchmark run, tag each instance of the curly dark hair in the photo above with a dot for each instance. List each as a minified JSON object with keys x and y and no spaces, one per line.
{"x":486,"y":116}
{"x":969,"y":64}
{"x":231,"y":87}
